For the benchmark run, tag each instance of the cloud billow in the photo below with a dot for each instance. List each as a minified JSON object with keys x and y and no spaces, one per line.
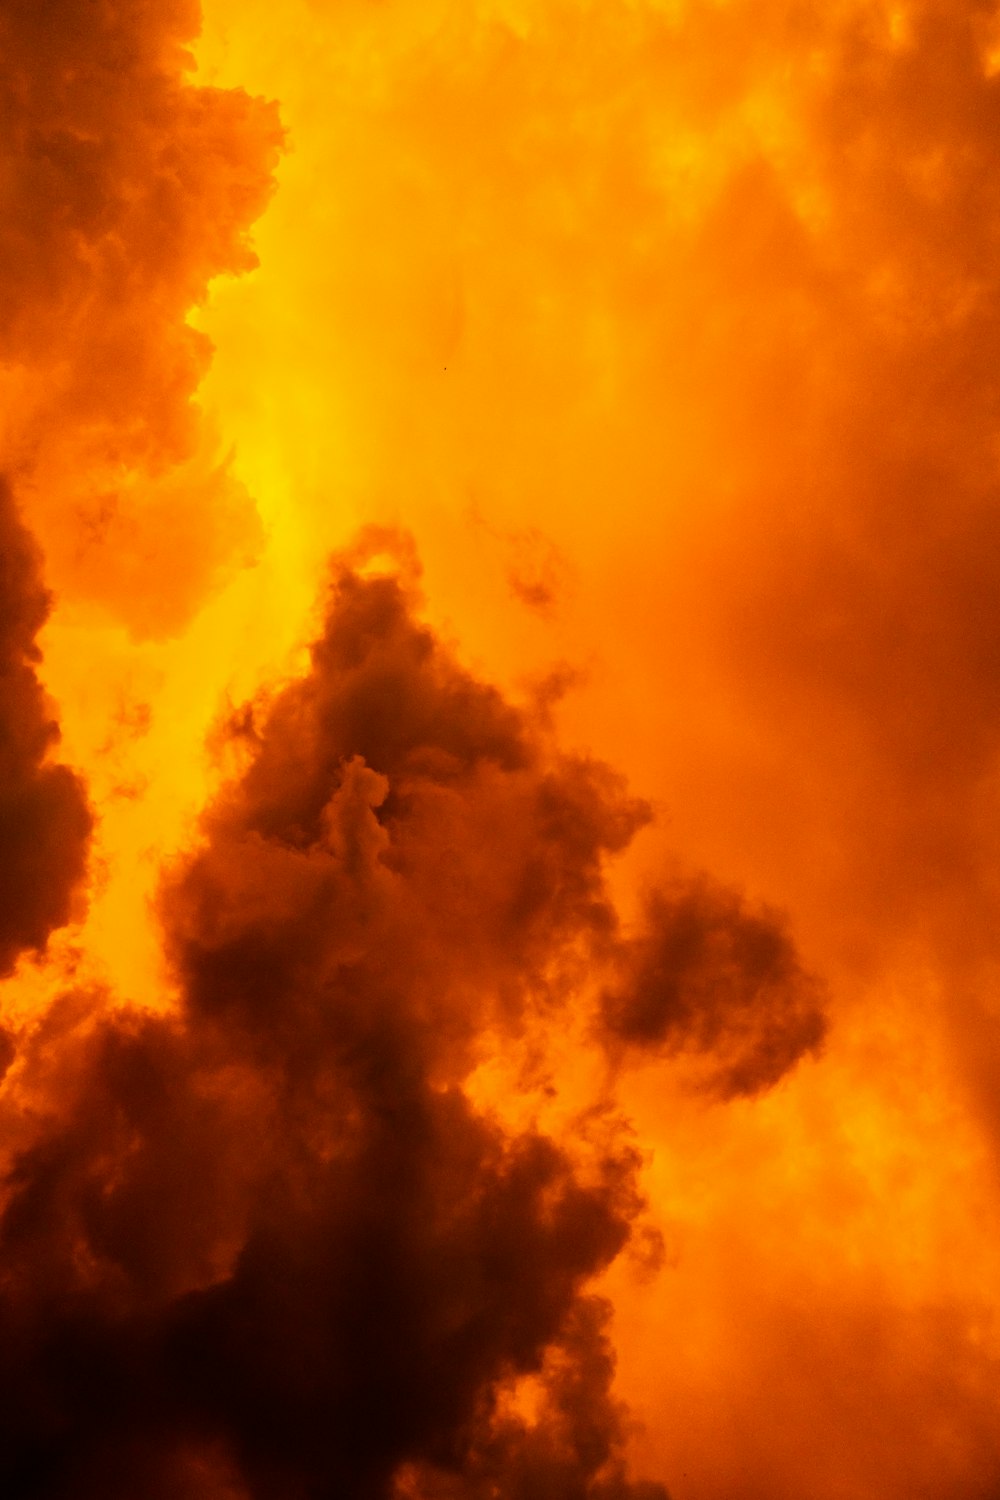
{"x":271,"y":1241}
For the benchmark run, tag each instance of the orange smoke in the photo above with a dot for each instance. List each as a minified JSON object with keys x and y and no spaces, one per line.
{"x":499,"y":709}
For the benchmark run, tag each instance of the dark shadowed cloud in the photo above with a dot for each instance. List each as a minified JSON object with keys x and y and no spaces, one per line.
{"x":709,"y":977}
{"x":44,"y":818}
{"x":272,"y":1240}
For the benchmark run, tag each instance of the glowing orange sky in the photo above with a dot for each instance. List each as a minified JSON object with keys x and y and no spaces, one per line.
{"x":669,"y":331}
{"x":647,"y":299}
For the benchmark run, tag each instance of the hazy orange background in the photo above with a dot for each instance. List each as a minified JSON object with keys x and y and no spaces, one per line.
{"x":670,"y":331}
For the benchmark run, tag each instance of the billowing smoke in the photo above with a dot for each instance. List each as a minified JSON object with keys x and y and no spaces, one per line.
{"x":670,"y":331}
{"x":125,"y":190}
{"x":709,"y":977}
{"x":44,"y":819}
{"x":270,"y":1240}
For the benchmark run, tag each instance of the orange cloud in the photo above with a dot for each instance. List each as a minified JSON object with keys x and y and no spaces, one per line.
{"x":399,"y":1029}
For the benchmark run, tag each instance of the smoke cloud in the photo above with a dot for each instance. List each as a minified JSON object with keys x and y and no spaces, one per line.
{"x":273,"y":1231}
{"x":403,"y":1119}
{"x":126,"y":191}
{"x":44,"y":818}
{"x":710,"y":977}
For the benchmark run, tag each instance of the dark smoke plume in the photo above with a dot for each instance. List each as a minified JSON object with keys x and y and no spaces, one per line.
{"x":44,"y":820}
{"x":708,"y":977}
{"x":270,"y":1242}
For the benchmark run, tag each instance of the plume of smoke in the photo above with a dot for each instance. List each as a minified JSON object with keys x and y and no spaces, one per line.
{"x":126,"y":190}
{"x":44,"y":818}
{"x":709,"y":977}
{"x":272,"y":1237}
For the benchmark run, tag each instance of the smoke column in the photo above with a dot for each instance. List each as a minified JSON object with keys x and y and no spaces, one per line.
{"x":499,"y":713}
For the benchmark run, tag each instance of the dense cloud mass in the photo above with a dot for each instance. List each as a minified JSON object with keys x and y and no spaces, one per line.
{"x":271,"y":1237}
{"x":710,"y":977}
{"x":716,"y":288}
{"x":44,"y":818}
{"x":671,"y":331}
{"x":125,"y":190}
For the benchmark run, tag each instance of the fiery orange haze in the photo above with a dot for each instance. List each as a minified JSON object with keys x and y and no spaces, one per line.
{"x":500,"y":729}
